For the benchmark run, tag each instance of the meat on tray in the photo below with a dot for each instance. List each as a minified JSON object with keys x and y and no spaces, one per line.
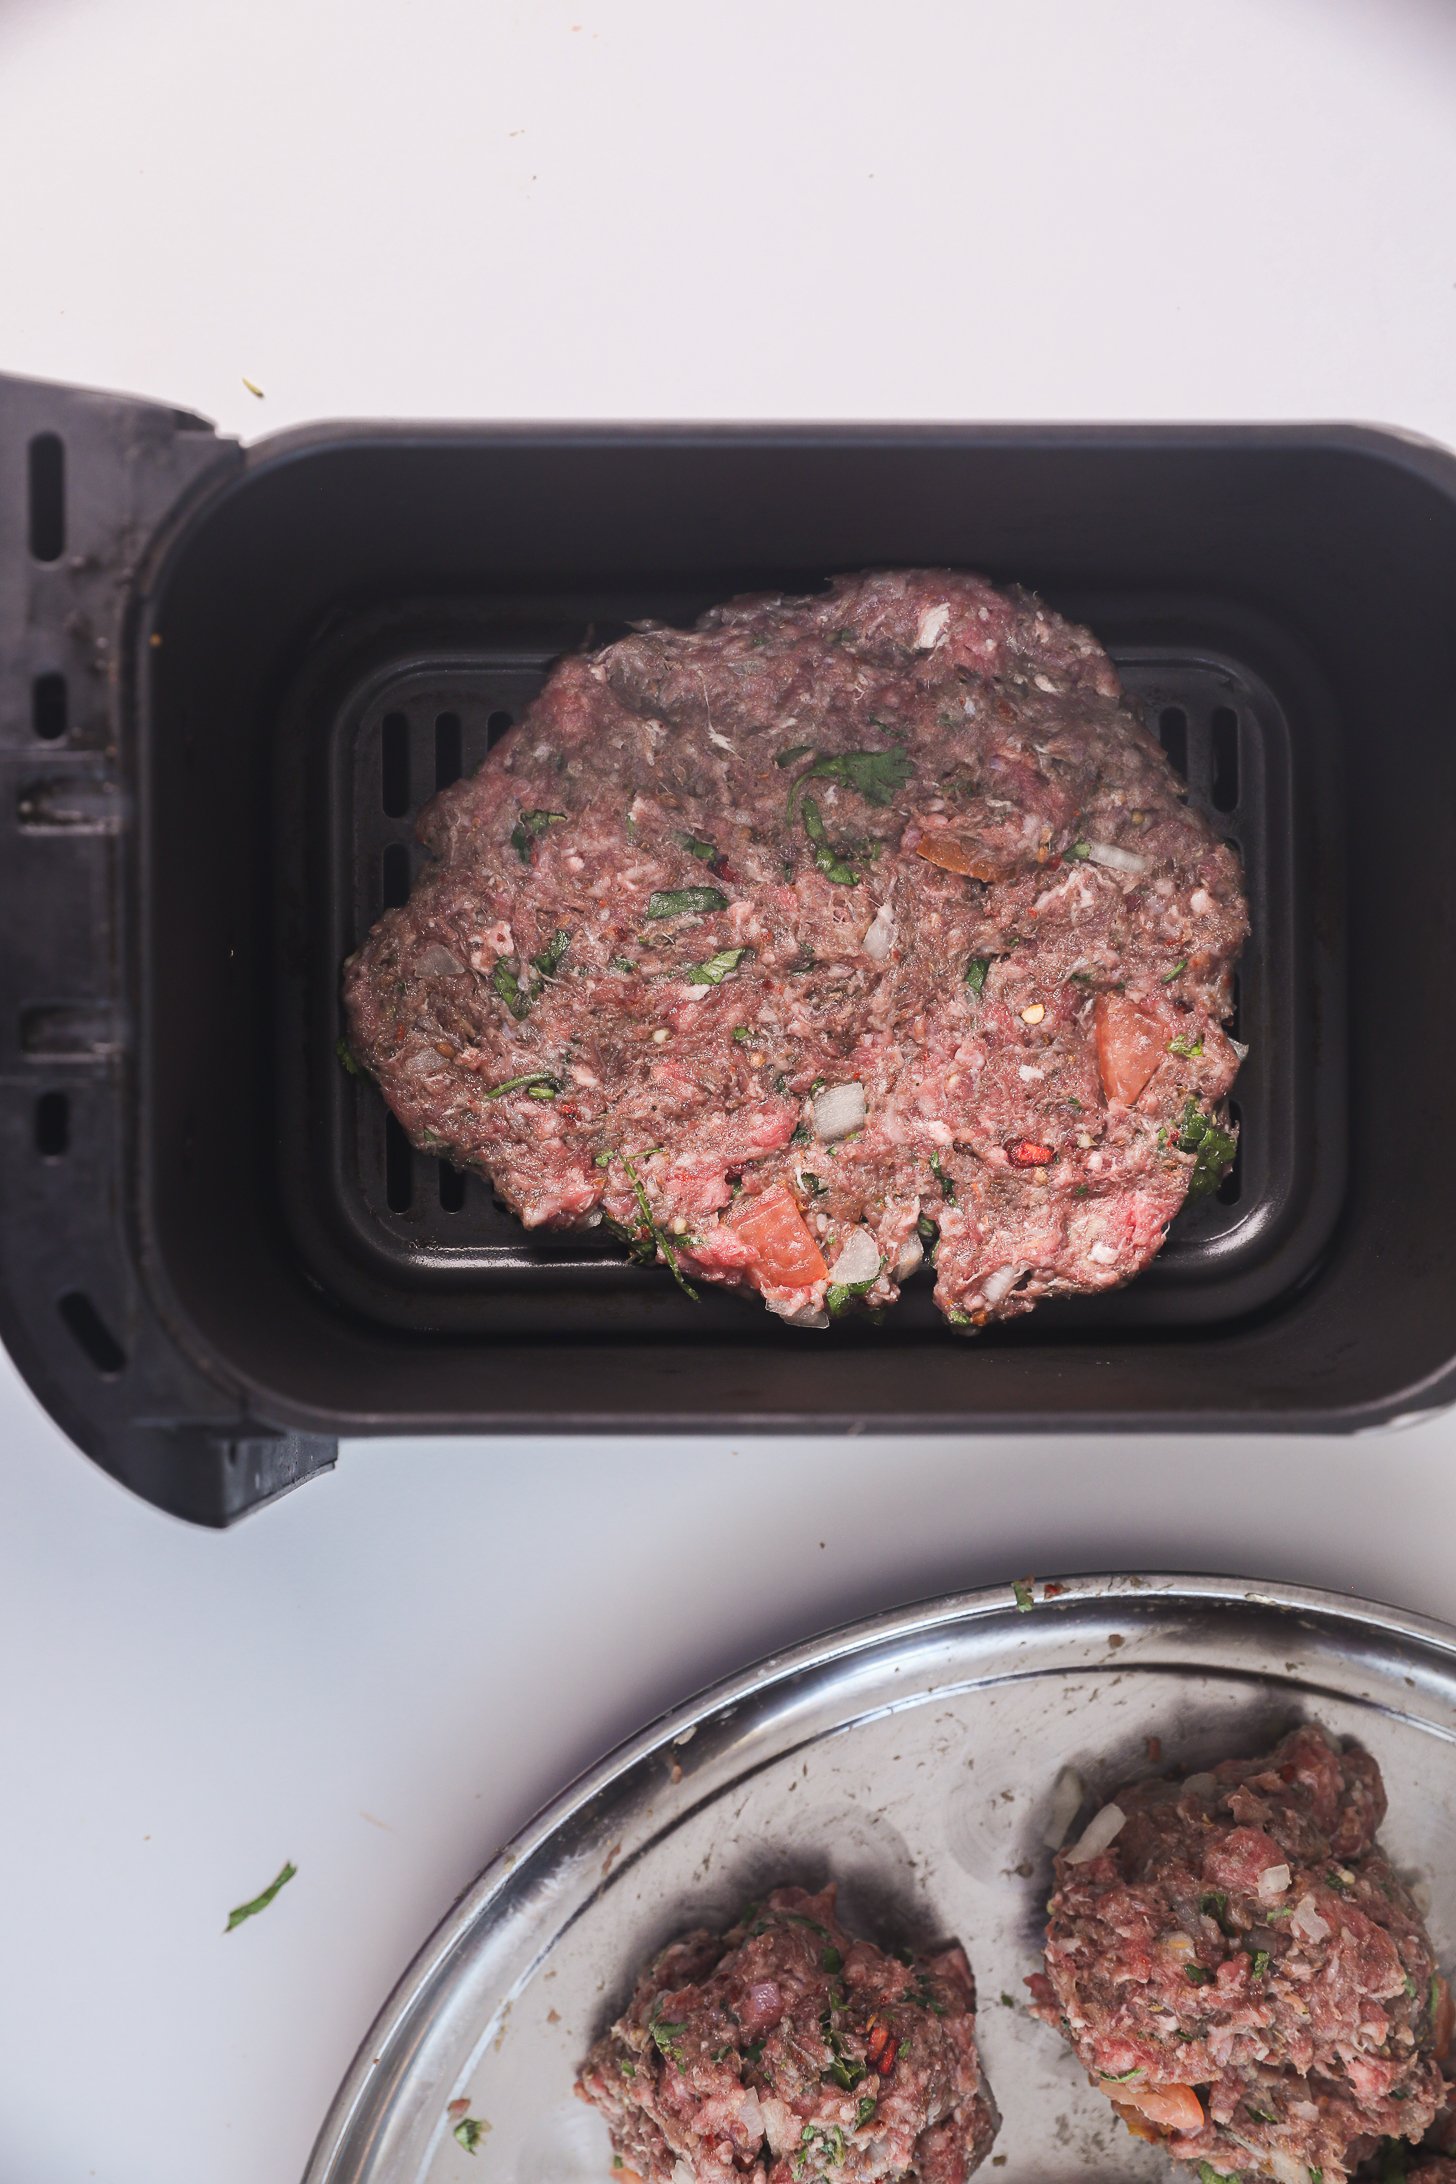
{"x":1244,"y":1974}
{"x":787,"y":2051}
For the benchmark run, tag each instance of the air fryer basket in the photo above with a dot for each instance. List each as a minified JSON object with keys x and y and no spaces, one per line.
{"x":230,"y":681}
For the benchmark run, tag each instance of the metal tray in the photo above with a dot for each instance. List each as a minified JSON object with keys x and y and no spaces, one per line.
{"x":912,"y":1758}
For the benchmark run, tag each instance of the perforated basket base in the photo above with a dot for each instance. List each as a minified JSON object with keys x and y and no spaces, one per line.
{"x":399,"y":711}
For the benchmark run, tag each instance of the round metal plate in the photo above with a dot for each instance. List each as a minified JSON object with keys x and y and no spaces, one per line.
{"x":911,"y":1758}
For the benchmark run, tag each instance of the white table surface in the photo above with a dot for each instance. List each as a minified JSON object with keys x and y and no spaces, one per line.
{"x":980,"y":209}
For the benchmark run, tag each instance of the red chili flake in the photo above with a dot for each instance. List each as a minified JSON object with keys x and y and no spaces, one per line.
{"x":1029,"y":1155}
{"x":457,"y":2109}
{"x":881,"y":2048}
{"x":1050,"y":1592}
{"x":1155,"y":1749}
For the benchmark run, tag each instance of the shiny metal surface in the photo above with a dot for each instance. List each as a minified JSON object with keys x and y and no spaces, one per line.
{"x":912,"y":1758}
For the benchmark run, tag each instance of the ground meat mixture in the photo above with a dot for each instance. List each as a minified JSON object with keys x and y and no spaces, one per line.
{"x":833,"y":932}
{"x":1243,"y":1973}
{"x":788,"y":2052}
{"x":1396,"y":2161}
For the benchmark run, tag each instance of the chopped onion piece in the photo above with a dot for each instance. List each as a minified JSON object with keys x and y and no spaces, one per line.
{"x":1272,"y":1882}
{"x":436,"y":961}
{"x":797,"y":1315}
{"x":1201,"y":1785}
{"x":1068,"y":1792}
{"x":683,"y":2172}
{"x":880,"y":938}
{"x":838,"y":1109}
{"x":995,"y":1286}
{"x":1115,"y":859}
{"x":912,"y":1251}
{"x":1102,"y":1829}
{"x":750,"y":2115}
{"x":1307,"y":1922}
{"x":1286,"y":2168}
{"x":781,"y":2126}
{"x":931,"y":627}
{"x":858,"y":1260}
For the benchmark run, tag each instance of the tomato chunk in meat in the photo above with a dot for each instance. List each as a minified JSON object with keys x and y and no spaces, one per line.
{"x":976,"y":859}
{"x":1129,"y":1046}
{"x":1174,"y":2107}
{"x":785,"y":1255}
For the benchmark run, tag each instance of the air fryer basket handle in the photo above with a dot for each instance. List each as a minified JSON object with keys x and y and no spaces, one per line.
{"x":90,"y":482}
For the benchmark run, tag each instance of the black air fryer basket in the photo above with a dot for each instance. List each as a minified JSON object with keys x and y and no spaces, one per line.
{"x":228,"y":680}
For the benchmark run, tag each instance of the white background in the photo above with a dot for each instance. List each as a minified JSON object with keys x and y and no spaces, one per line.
{"x":983,"y":208}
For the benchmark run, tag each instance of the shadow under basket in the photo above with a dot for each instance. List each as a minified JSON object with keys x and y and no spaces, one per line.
{"x":231,"y":679}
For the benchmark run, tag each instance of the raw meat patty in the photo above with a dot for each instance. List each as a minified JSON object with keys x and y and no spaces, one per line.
{"x":1243,"y":1972}
{"x":830,"y":930}
{"x":788,"y":2052}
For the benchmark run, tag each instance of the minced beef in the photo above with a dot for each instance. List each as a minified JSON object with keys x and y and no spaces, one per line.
{"x":830,"y":933}
{"x":787,"y":2052}
{"x":1242,"y":1971}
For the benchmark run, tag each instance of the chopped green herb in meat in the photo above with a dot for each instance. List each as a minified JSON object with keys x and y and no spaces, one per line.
{"x":514,"y":1084}
{"x":548,"y":962}
{"x":508,"y":986}
{"x":681,"y":902}
{"x":1214,"y":1146}
{"x":827,"y":859}
{"x":840,"y":1295}
{"x":657,"y":1233}
{"x":877,"y":776}
{"x":529,"y":828}
{"x":717,"y":968}
{"x":1214,"y":1905}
